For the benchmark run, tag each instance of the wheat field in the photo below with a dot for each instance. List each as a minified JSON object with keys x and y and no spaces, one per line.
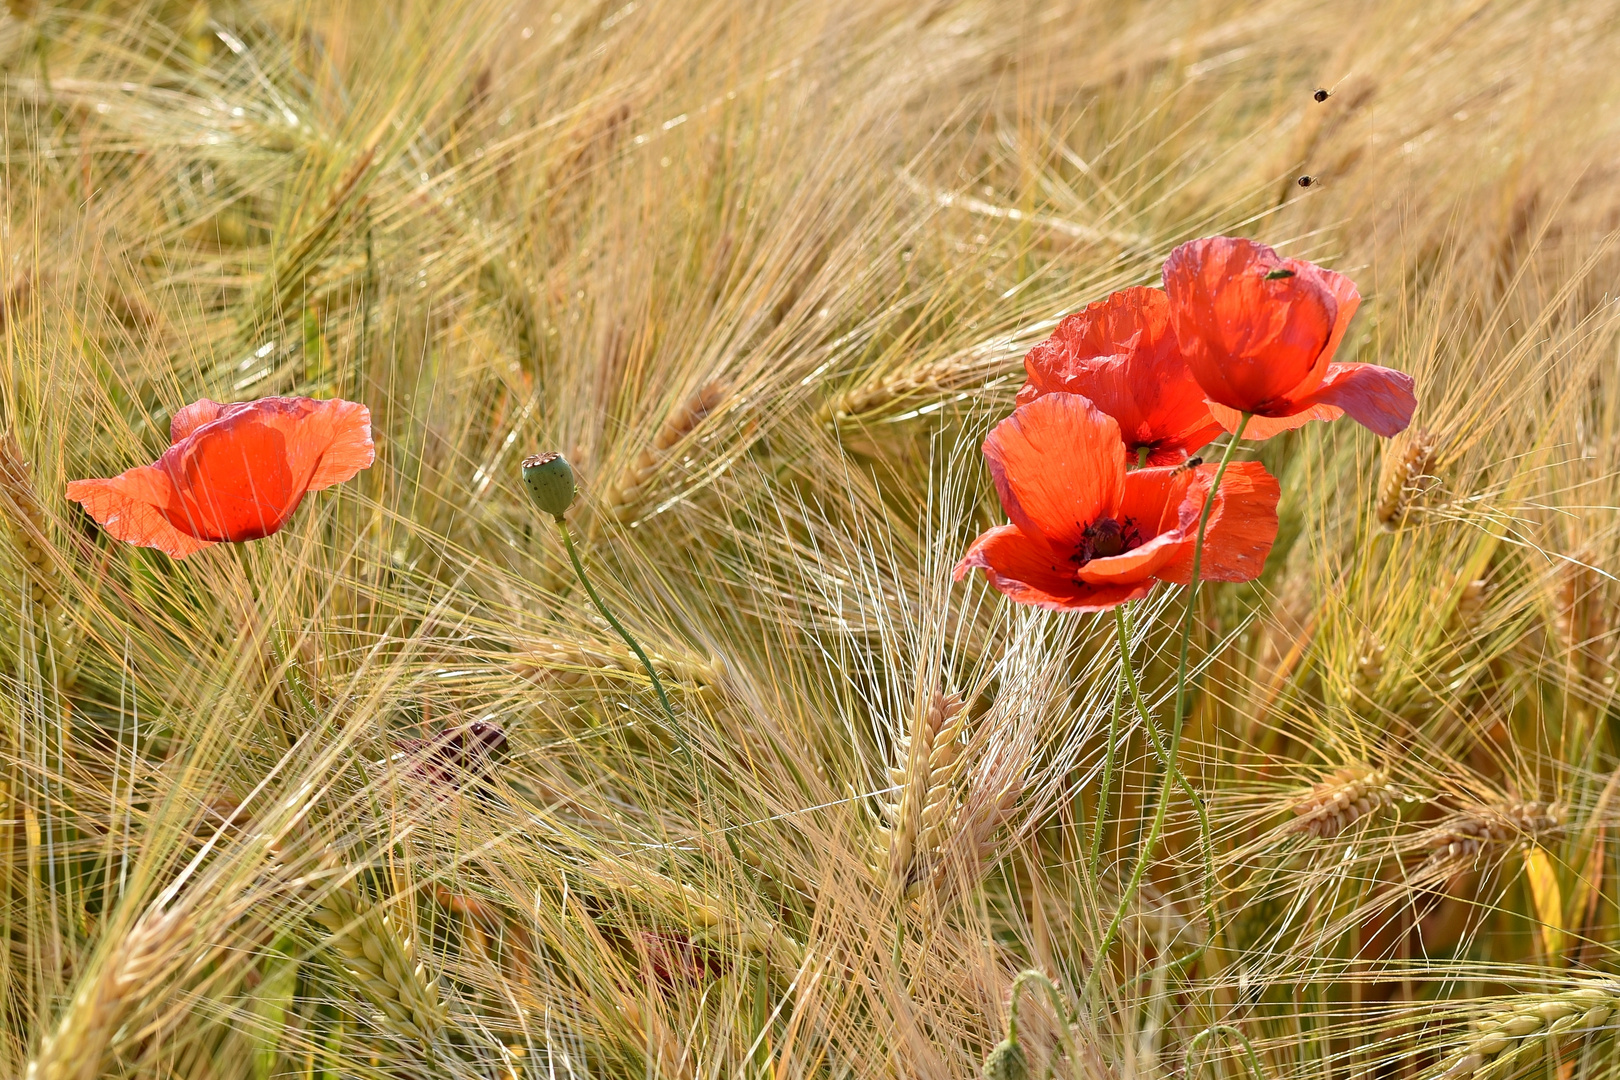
{"x":766,"y":272}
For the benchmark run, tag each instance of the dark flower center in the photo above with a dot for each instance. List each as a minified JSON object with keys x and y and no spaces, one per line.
{"x":1105,"y":538}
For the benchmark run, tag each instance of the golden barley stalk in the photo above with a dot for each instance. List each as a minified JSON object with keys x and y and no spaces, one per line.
{"x":1578,"y":612}
{"x":368,"y":947}
{"x":928,"y":759}
{"x":574,"y":663}
{"x":627,"y":494}
{"x":882,"y":394}
{"x":1504,"y":1035}
{"x":25,"y":523}
{"x":78,"y":1047}
{"x":1471,"y":833}
{"x":1404,"y":476}
{"x":1340,"y":799}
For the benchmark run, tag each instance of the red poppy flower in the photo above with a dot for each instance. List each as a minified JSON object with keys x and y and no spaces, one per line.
{"x":1122,"y":354}
{"x":231,"y":472}
{"x":1087,"y":535}
{"x":1259,"y":332}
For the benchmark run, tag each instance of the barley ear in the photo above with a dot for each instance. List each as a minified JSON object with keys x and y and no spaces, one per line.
{"x":78,"y":1048}
{"x":1340,"y":799}
{"x":922,"y":805}
{"x":631,"y":492}
{"x":1524,"y":1027}
{"x":1404,"y":476}
{"x":1473,"y":834}
{"x":371,"y":949}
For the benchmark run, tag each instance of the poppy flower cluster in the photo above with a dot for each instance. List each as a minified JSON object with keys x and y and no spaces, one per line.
{"x":231,"y":473}
{"x":1238,"y":339}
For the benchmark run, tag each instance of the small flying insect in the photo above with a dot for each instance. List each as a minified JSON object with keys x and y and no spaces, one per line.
{"x":1193,"y":462}
{"x":1322,"y":94}
{"x":1307,"y":181}
{"x":1279,"y":273}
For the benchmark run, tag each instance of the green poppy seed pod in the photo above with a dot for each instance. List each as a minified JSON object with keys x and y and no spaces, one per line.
{"x":1006,"y":1062}
{"x":550,"y":480}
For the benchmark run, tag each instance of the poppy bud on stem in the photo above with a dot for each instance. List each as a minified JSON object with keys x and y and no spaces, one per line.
{"x":550,"y":481}
{"x":1007,"y":1060}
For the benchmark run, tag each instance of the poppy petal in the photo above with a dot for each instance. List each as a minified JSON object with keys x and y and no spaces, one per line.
{"x":1152,"y":500}
{"x":1138,"y":564}
{"x":1058,"y":465}
{"x":1121,"y":353}
{"x":1249,"y":338}
{"x":1242,"y":524}
{"x":1260,"y":428}
{"x":327,"y":441}
{"x":193,"y":416}
{"x":1346,"y":297}
{"x":1380,"y":399}
{"x":231,"y":479}
{"x":128,"y":508}
{"x":1028,"y":572}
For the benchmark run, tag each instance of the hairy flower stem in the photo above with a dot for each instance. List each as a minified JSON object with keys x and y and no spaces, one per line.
{"x":1205,"y":837}
{"x":1156,"y":830}
{"x":1107,"y":776}
{"x":590,"y":590}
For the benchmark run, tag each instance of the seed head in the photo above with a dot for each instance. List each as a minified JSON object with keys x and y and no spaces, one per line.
{"x":1007,"y":1061}
{"x":550,"y":480}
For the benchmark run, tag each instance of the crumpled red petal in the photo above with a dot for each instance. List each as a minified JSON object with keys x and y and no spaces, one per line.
{"x":231,"y":480}
{"x":1121,"y":353}
{"x":127,"y":507}
{"x":1242,"y":524}
{"x":1380,"y":399}
{"x":234,"y":472}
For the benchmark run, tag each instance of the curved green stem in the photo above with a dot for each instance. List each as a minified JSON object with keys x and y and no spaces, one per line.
{"x":1059,"y":1005}
{"x":1219,"y":1029}
{"x":590,"y":590}
{"x":1177,"y":712}
{"x":1156,"y":829}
